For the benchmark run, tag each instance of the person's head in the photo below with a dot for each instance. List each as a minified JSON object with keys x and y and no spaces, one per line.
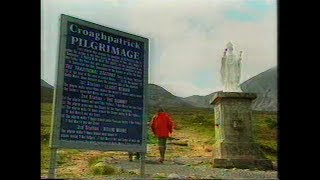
{"x":230,"y":47}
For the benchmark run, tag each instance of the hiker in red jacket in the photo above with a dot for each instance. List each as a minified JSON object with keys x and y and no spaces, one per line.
{"x":162,"y":125}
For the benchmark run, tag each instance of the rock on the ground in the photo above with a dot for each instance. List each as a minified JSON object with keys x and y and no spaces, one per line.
{"x":173,"y":176}
{"x":180,"y":143}
{"x":180,"y":161}
{"x":134,"y":171}
{"x":158,"y":175}
{"x":188,"y":161}
{"x":208,"y":149}
{"x":209,"y":177}
{"x":192,"y":177}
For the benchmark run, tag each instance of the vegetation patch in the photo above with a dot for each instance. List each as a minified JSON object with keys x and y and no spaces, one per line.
{"x":265,"y":133}
{"x":101,"y":168}
{"x":96,"y":159}
{"x":195,"y":125}
{"x":272,"y":123}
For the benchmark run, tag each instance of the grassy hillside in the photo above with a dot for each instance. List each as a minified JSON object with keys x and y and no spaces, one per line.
{"x":64,"y":156}
{"x":198,"y":120}
{"x":194,"y":125}
{"x":46,"y":95}
{"x":265,"y":128}
{"x":265,"y":86}
{"x":158,"y":96}
{"x":46,"y":109}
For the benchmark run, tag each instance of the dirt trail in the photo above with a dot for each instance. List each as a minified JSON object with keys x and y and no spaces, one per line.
{"x":197,"y":146}
{"x":77,"y":166}
{"x":193,"y":160}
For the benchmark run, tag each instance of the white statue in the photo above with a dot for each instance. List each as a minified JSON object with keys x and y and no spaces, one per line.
{"x":231,"y":70}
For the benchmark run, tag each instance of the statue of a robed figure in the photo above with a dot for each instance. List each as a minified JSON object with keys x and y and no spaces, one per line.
{"x":235,"y":144}
{"x":231,"y":70}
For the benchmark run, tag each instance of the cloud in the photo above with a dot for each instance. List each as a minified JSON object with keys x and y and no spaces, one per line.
{"x":187,"y":38}
{"x":107,"y":13}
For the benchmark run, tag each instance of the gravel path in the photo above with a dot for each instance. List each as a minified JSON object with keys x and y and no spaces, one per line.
{"x":180,"y":168}
{"x":189,"y":168}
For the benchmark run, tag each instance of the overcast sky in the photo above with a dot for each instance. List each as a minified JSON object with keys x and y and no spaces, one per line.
{"x":187,"y":37}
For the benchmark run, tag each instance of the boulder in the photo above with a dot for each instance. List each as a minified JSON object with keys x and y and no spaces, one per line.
{"x":173,"y":176}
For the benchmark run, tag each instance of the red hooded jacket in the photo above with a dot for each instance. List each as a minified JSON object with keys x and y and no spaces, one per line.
{"x":162,"y":125}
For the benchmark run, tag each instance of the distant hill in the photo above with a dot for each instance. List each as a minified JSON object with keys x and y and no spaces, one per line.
{"x":45,"y":84}
{"x":199,"y":101}
{"x":158,"y":96}
{"x":263,"y":84}
{"x":46,"y":92}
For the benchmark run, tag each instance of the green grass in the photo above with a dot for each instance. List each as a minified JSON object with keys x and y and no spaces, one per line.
{"x":45,"y":156}
{"x":46,"y":109}
{"x":46,"y":113}
{"x":201,"y":121}
{"x":101,"y":168}
{"x":63,"y":156}
{"x":151,"y":138}
{"x":46,"y":95}
{"x":195,"y":120}
{"x":98,"y":166}
{"x":265,"y":133}
{"x":94,"y":160}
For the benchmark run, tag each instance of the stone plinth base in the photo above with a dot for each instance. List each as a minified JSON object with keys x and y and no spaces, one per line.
{"x":235,"y":147}
{"x":236,"y":150}
{"x":262,"y":164}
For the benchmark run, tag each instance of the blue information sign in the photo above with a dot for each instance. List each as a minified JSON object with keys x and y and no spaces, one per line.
{"x":100,"y":99}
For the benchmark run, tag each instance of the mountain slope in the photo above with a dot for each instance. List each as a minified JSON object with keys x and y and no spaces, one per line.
{"x":46,"y":92}
{"x":158,"y":96}
{"x":199,"y":101}
{"x":45,"y":84}
{"x":263,"y":84}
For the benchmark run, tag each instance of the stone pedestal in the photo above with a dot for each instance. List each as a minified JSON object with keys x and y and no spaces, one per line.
{"x":234,"y":145}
